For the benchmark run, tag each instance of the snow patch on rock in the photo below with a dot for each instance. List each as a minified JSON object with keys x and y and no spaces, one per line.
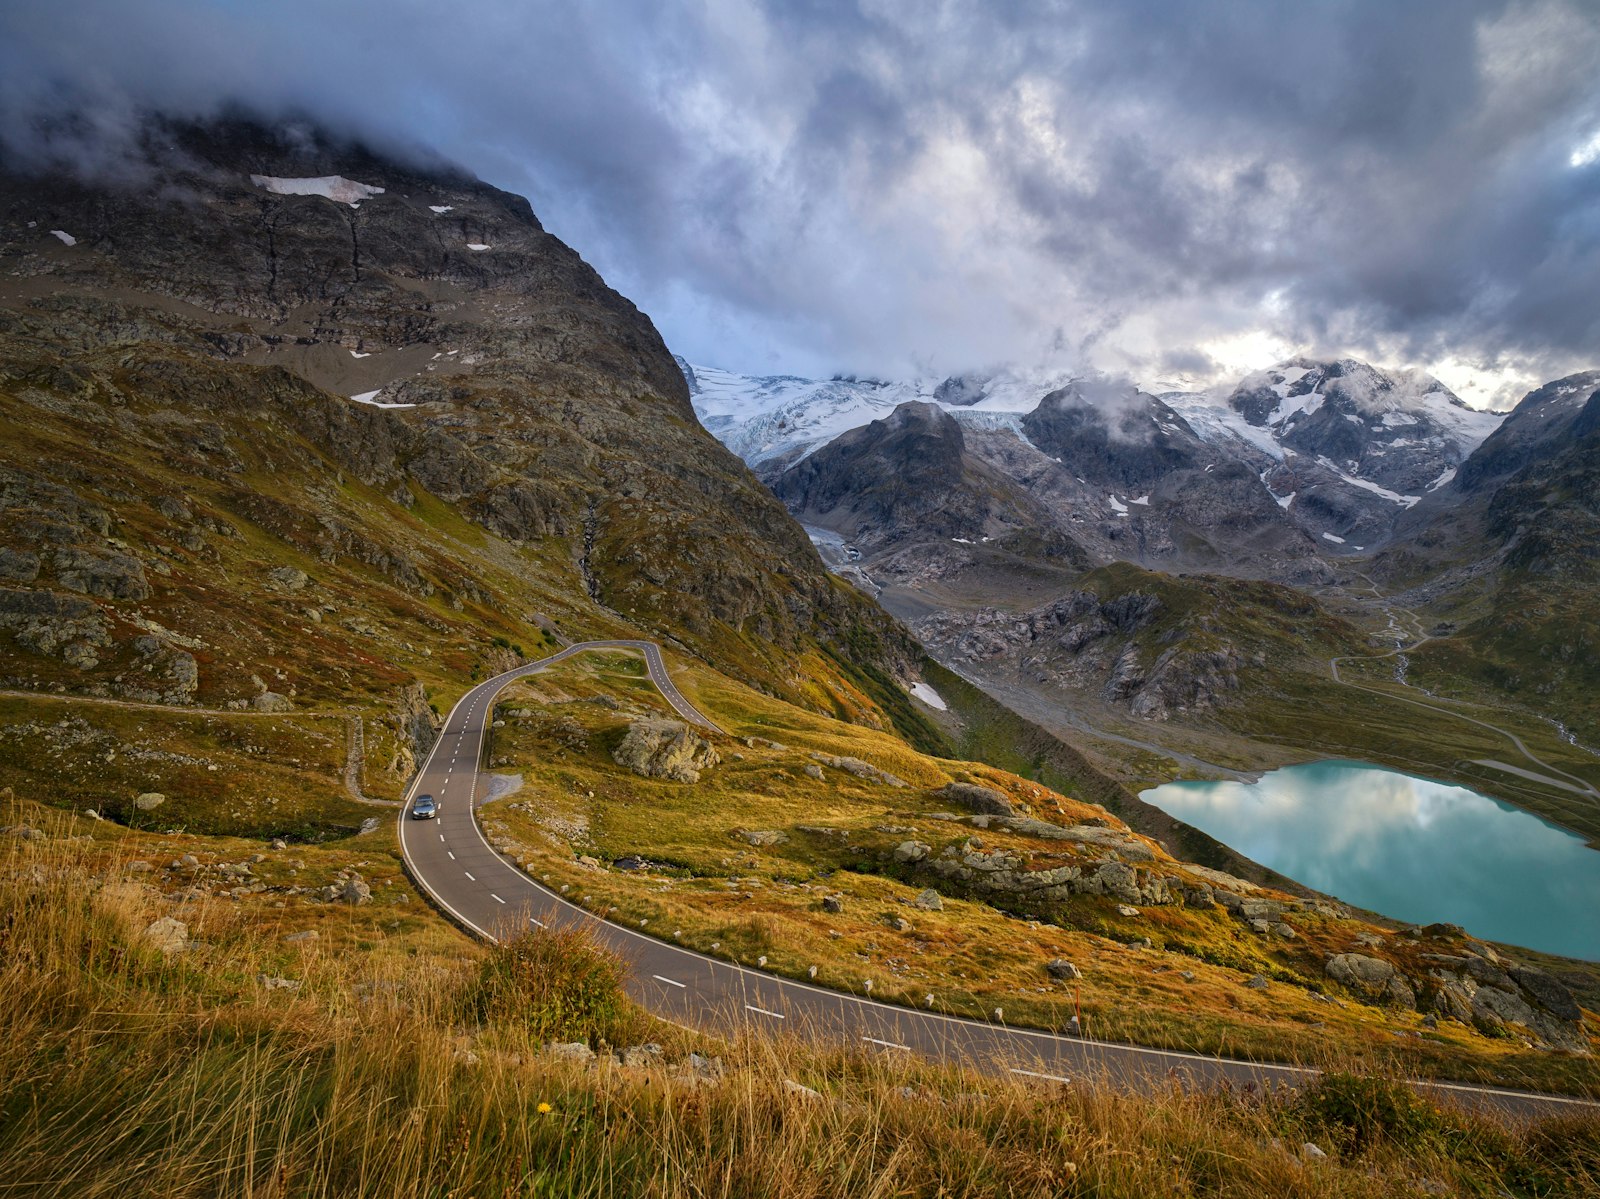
{"x":331,"y":187}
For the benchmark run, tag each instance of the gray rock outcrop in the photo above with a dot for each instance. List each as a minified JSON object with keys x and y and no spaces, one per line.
{"x":983,"y":800}
{"x":861,"y":770}
{"x":1372,"y":978}
{"x":18,"y":566}
{"x":47,"y":622}
{"x":665,"y":749}
{"x":108,"y":575}
{"x":756,"y":836}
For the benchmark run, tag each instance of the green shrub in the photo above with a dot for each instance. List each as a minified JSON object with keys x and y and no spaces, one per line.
{"x":558,"y":985}
{"x":1359,"y":1112}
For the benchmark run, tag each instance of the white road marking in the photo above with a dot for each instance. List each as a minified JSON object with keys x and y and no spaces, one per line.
{"x":492,"y":895}
{"x":468,"y":873}
{"x":671,"y":982}
{"x":452,"y":854}
{"x":535,"y":922}
{"x":886,"y":1044}
{"x":750,"y":1007}
{"x":1036,"y":1074}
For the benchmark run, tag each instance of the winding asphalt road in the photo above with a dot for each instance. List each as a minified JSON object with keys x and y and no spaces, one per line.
{"x":490,"y":896}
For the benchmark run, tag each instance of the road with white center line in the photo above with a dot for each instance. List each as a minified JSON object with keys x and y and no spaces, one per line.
{"x":491,"y":897}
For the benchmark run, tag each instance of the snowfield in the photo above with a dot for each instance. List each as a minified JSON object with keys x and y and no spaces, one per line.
{"x":371,"y":397}
{"x":331,"y":187}
{"x":770,"y":416}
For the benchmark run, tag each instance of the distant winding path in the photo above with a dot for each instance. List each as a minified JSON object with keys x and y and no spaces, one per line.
{"x":1573,"y":783}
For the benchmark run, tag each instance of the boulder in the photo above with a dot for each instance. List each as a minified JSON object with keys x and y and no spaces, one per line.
{"x":355,"y":892}
{"x":1260,"y":909}
{"x":570,"y":1051}
{"x":271,"y":701}
{"x":760,"y":836}
{"x":639,"y":1057}
{"x":862,"y":770}
{"x":1062,"y":969}
{"x":288,"y":578}
{"x":1398,"y":992}
{"x":1258,"y":982}
{"x":167,"y":935}
{"x":911,"y":851}
{"x":1116,"y":879}
{"x":665,"y":749}
{"x":108,"y":575}
{"x":984,"y":800}
{"x":47,"y":622}
{"x":1359,"y":972}
{"x":173,"y":508}
{"x":1199,"y":896}
{"x":1547,"y":991}
{"x":702,"y":1066}
{"x":928,"y":900}
{"x":1372,"y":978}
{"x":149,"y":801}
{"x":833,"y":903}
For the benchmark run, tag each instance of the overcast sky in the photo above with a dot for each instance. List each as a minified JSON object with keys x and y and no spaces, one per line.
{"x":1170,"y":188}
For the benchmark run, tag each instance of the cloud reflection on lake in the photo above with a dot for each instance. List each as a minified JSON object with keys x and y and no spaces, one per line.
{"x":1410,"y":848}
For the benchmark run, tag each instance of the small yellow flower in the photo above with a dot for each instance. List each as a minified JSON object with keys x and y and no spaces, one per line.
{"x":545,"y":1109}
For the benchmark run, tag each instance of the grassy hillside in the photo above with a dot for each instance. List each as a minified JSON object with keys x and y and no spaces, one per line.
{"x":367,"y":1062}
{"x":804,"y":814}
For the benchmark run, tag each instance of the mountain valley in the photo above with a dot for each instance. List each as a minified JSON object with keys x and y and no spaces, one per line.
{"x":314,"y":453}
{"x":1316,"y":513}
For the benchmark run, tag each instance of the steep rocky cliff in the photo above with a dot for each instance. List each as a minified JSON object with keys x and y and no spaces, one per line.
{"x":372,"y":361}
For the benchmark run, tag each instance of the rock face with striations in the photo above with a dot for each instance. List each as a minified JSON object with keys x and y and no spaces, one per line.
{"x":665,"y":749}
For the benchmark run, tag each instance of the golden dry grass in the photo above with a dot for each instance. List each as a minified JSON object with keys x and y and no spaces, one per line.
{"x":125,"y":1071}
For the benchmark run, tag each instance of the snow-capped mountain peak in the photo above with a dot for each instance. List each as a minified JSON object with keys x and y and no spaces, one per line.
{"x":1292,"y":392}
{"x":777,"y":420}
{"x":1342,"y":446}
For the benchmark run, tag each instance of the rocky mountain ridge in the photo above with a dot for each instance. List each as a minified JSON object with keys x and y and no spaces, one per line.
{"x":1343,"y":448}
{"x":269,"y":333}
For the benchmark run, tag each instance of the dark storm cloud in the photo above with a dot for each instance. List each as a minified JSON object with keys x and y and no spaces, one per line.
{"x":895,"y":183}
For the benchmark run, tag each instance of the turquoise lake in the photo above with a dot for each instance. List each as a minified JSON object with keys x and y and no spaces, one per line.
{"x":1410,"y":848}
